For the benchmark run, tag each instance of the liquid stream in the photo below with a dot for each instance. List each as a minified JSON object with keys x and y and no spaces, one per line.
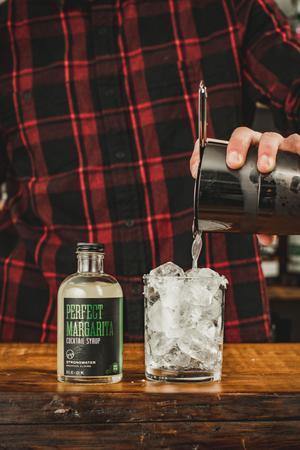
{"x":196,"y":249}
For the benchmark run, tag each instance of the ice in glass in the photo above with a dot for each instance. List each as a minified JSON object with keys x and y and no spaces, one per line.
{"x":183,"y":323}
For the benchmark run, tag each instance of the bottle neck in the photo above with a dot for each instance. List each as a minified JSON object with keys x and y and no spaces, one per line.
{"x":90,"y":262}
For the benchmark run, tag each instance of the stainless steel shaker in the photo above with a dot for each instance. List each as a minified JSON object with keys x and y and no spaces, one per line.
{"x":244,"y":200}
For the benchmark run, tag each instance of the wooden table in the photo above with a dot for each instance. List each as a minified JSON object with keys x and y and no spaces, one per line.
{"x":257,"y":405}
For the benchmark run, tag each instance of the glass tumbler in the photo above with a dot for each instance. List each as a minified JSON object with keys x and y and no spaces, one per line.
{"x":184,"y":328}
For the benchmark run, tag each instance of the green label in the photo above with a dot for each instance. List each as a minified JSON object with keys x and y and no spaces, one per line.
{"x":93,"y":336}
{"x":294,"y":250}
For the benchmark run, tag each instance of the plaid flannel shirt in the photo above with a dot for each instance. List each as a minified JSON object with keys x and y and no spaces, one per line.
{"x":98,"y":113}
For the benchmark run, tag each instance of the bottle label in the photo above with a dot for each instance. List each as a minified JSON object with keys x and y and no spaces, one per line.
{"x":271,"y":268}
{"x":294,"y":248}
{"x":93,"y":336}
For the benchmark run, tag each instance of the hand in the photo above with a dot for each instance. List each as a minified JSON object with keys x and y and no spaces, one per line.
{"x":268,"y":145}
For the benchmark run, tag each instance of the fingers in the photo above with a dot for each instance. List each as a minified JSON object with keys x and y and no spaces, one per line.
{"x":264,"y":239}
{"x":238,"y":146}
{"x":242,"y":138}
{"x":194,"y":161}
{"x":267,"y":151}
{"x":291,"y":143}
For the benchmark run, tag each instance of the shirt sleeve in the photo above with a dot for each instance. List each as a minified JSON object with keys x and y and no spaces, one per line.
{"x":270,"y":60}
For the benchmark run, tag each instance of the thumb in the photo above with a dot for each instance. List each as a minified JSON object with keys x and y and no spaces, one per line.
{"x":195,"y":159}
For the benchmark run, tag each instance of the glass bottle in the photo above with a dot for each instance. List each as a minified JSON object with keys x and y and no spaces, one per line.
{"x":293,"y":259}
{"x":90,"y":322}
{"x":270,"y":262}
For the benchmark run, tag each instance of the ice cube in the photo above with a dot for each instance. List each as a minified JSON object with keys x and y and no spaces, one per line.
{"x":199,"y":344}
{"x":170,"y":291}
{"x":206,"y":359}
{"x":206,"y":272}
{"x":208,"y":330}
{"x":164,"y":319}
{"x":154,"y":317}
{"x":194,"y":272}
{"x":195,"y":291}
{"x":170,"y":318}
{"x":151,"y":294}
{"x":190,"y":315}
{"x":187,"y":347}
{"x":175,"y":359}
{"x":218,"y":297}
{"x":214,"y":310}
{"x":175,"y":333}
{"x":168,"y":269}
{"x":156,"y":285}
{"x":160,"y":345}
{"x":164,"y":278}
{"x":181,"y":360}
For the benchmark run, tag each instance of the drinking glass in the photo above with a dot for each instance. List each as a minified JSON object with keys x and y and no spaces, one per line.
{"x":184,"y":327}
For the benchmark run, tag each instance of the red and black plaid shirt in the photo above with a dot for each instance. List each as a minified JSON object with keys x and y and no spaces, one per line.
{"x":98,"y":113}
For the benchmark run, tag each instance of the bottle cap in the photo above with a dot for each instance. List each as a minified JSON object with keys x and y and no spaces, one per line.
{"x":90,"y":247}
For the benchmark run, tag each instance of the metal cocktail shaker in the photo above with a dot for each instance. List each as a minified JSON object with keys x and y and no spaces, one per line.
{"x":244,"y":200}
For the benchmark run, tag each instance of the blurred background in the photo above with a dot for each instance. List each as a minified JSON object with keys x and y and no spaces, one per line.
{"x":280,"y":261}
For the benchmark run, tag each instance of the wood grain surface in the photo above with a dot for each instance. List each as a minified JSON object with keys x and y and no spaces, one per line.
{"x":256,"y":405}
{"x":284,"y":293}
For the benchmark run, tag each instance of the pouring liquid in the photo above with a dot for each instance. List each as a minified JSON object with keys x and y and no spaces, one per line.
{"x":196,"y":249}
{"x":202,"y":130}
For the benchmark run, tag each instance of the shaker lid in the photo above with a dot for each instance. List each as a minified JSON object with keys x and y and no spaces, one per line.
{"x":90,"y":247}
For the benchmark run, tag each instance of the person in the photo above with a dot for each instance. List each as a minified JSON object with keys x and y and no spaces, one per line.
{"x":98,"y":113}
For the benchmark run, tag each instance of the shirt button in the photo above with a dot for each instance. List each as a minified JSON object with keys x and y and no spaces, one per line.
{"x":129,"y":223}
{"x":120,"y":155}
